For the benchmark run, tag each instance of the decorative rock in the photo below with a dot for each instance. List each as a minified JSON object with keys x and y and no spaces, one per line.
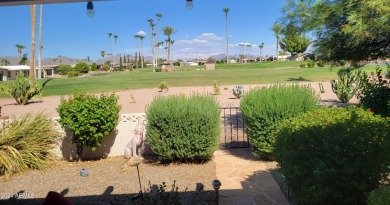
{"x":84,"y":172}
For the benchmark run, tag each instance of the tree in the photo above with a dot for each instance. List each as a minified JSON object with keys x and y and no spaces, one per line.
{"x":151,"y":24}
{"x":24,"y":59}
{"x":32,"y":54}
{"x":81,"y":67}
{"x":20,"y":50}
{"x":120,"y":63}
{"x":40,"y":43}
{"x":159,"y":16}
{"x":5,"y":62}
{"x":293,"y":41}
{"x":102,"y":53}
{"x":168,"y":31}
{"x":344,"y":29}
{"x":261,"y":46}
{"x":226,"y":10}
{"x":115,"y":37}
{"x":277,"y":29}
{"x":136,"y":42}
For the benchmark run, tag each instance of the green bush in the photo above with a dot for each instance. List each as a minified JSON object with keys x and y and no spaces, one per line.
{"x":311,"y":64}
{"x":349,"y":82}
{"x":182,"y":129}
{"x":302,"y":65}
{"x":380,"y":196}
{"x":264,"y":108}
{"x":163,"y":86}
{"x":333,"y":155}
{"x":93,"y":66}
{"x":81,"y":67}
{"x":321,"y":63}
{"x":341,"y":63}
{"x":64,"y":69}
{"x":375,"y":92}
{"x":89,"y":117}
{"x":73,"y":73}
{"x":26,"y":143}
{"x":21,"y":90}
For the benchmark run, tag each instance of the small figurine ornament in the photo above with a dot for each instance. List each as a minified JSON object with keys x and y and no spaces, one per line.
{"x":132,"y":148}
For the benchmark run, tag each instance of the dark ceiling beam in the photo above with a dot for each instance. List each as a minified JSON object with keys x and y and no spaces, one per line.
{"x":28,"y":2}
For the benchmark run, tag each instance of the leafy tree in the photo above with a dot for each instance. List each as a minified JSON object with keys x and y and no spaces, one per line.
{"x":89,"y":117}
{"x":93,"y":66}
{"x":82,"y":67}
{"x":293,"y":41}
{"x":64,"y":69}
{"x":344,"y":29}
{"x":24,"y":59}
{"x":120,"y":63}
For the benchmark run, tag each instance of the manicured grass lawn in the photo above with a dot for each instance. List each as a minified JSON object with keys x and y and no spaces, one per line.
{"x":232,"y":74}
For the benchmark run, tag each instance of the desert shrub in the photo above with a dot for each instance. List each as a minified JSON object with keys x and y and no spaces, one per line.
{"x":380,"y":196}
{"x":64,"y":69}
{"x":26,"y":143}
{"x":73,"y":73}
{"x":89,"y":117}
{"x":302,"y":65}
{"x":157,"y":69}
{"x":375,"y":92}
{"x":104,"y":68}
{"x":349,"y":82}
{"x":21,"y":90}
{"x":81,"y":67}
{"x":182,"y":129}
{"x":341,"y":63}
{"x":333,"y":155}
{"x":163,"y":86}
{"x":238,"y":91}
{"x":311,"y":64}
{"x":264,"y":108}
{"x":216,"y":88}
{"x":321,"y":63}
{"x":93,"y":66}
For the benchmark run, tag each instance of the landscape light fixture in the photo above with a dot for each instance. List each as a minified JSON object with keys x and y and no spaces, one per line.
{"x":189,"y":4}
{"x":216,"y":185}
{"x":90,"y":12}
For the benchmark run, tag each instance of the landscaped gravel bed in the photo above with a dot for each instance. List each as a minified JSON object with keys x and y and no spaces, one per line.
{"x":110,"y":181}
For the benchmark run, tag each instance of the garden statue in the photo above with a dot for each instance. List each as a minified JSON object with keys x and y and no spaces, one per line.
{"x":133,"y":147}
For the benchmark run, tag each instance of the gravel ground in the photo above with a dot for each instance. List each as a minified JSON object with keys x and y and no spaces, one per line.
{"x":110,"y":181}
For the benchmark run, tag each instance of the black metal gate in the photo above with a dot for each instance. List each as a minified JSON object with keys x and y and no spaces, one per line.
{"x":233,"y":134}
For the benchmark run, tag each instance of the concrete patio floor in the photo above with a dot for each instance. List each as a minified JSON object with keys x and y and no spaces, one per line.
{"x":245,"y":180}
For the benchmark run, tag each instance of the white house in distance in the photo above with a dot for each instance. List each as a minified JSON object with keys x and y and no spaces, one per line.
{"x":9,"y":72}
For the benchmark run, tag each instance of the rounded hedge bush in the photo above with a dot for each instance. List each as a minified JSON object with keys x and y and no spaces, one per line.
{"x":333,"y":155}
{"x":183,"y":129}
{"x":264,"y":108}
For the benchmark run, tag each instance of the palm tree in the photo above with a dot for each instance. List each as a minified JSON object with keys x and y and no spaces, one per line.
{"x":250,"y":49}
{"x":141,"y":37}
{"x":102,"y":53}
{"x":277,"y":29}
{"x":109,"y":46}
{"x":32,"y":54}
{"x":40,"y":44}
{"x":4,"y":61}
{"x":261,"y":46}
{"x":159,"y":16}
{"x":136,"y":42}
{"x":20,"y":50}
{"x":226,"y":10}
{"x":115,"y":37}
{"x":151,"y":38}
{"x":168,"y":31}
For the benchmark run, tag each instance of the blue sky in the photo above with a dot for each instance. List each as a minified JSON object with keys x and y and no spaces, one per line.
{"x":200,"y":32}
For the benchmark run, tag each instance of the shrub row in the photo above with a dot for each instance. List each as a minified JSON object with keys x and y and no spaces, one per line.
{"x":183,"y":128}
{"x":333,"y":155}
{"x":264,"y":108}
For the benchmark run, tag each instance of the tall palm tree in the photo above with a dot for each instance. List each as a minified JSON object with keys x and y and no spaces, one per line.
{"x":261,"y":46}
{"x":40,"y":43}
{"x":226,"y":10}
{"x":168,"y":31}
{"x":32,"y":54}
{"x":109,"y":46}
{"x":159,"y":16}
{"x":151,"y":38}
{"x":277,"y":29}
{"x":102,"y":53}
{"x":142,"y":50}
{"x":20,"y":50}
{"x":136,"y":42}
{"x":115,"y":37}
{"x":250,"y":49}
